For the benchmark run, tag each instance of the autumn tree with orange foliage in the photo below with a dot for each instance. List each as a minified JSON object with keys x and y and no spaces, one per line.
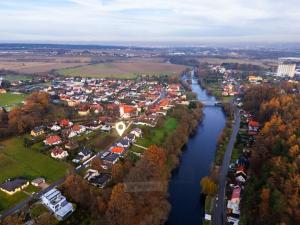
{"x":272,"y":194}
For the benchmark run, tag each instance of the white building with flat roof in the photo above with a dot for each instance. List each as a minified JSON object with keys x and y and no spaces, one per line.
{"x":57,"y":203}
{"x":286,"y":70}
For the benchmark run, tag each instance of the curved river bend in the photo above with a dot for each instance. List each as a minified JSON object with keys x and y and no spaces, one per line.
{"x":197,"y":157}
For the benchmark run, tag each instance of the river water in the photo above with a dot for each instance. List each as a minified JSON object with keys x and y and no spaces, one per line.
{"x":197,"y":157}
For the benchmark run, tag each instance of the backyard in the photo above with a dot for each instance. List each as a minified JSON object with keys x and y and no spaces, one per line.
{"x":156,"y":136}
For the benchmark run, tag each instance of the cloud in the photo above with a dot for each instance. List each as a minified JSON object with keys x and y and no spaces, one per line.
{"x":155,"y":20}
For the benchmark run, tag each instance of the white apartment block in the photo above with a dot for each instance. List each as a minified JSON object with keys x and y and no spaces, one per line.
{"x":286,"y":70}
{"x":57,"y":203}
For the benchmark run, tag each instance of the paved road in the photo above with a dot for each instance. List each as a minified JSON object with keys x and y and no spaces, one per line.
{"x":219,"y":213}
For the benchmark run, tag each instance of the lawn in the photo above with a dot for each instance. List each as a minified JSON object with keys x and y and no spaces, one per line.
{"x":126,"y":70}
{"x":157,"y":135}
{"x":7,"y":201}
{"x":16,"y":160}
{"x":9,"y":99}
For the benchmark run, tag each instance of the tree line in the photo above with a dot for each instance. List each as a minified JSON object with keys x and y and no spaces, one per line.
{"x":37,"y":110}
{"x":272,"y":194}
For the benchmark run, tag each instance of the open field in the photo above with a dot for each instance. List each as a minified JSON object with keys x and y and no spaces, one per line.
{"x":125,"y":70}
{"x":36,"y":67}
{"x":15,"y":77}
{"x":262,"y":63}
{"x":8,"y":99}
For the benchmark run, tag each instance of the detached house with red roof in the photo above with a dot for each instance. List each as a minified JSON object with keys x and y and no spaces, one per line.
{"x":59,"y":153}
{"x":65,"y":123}
{"x":253,"y":127}
{"x":127,"y":111}
{"x":76,"y":130}
{"x":117,"y":150}
{"x":52,"y":140}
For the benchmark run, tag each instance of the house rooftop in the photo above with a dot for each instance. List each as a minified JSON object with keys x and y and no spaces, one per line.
{"x":12,"y":184}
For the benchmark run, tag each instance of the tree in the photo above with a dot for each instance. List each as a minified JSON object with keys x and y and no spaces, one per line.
{"x":118,"y":172}
{"x":208,"y":186}
{"x":96,"y":164}
{"x":121,"y":208}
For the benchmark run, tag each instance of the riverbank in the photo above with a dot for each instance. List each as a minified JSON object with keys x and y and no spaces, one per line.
{"x":195,"y":163}
{"x":222,"y":143}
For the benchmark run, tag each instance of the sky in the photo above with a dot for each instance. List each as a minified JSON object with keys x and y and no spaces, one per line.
{"x":96,"y":21}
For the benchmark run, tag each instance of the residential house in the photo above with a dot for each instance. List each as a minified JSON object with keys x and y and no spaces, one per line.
{"x":111,"y":159}
{"x":253,"y":127}
{"x":117,"y":150}
{"x":130,"y":137}
{"x":240,"y":174}
{"x":124,"y":143}
{"x":97,"y":179}
{"x":83,"y":155}
{"x":127,"y":111}
{"x":57,"y":203}
{"x":76,"y":130}
{"x":59,"y":153}
{"x":37,"y":131}
{"x":137,"y":132}
{"x":84,"y":110}
{"x":106,"y":128}
{"x":233,"y":204}
{"x":52,"y":140}
{"x":11,"y":186}
{"x":65,"y":123}
{"x":55,"y":127}
{"x":38,"y":181}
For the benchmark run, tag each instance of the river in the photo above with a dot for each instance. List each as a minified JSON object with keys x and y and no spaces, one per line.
{"x":197,"y":157}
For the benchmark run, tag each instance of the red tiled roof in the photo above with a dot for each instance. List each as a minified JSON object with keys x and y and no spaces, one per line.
{"x":76,"y":128}
{"x":53,"y":139}
{"x":253,"y":123}
{"x":57,"y":151}
{"x":118,"y":150}
{"x":64,"y":122}
{"x":236,"y":193}
{"x":128,"y":108}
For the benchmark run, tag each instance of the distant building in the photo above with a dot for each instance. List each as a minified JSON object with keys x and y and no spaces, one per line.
{"x":286,"y":70}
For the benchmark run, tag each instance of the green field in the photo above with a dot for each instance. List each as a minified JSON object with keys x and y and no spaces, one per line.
{"x":157,"y":135}
{"x":10,"y":99}
{"x":12,"y":77}
{"x":16,"y":160}
{"x":125,"y":70}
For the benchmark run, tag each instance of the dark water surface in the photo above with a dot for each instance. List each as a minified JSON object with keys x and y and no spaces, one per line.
{"x":197,"y":157}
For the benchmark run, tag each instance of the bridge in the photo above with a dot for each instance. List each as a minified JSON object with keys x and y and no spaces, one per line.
{"x":208,"y":103}
{"x":211,"y":103}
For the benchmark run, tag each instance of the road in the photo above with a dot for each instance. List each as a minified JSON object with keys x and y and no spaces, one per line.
{"x":219,"y":213}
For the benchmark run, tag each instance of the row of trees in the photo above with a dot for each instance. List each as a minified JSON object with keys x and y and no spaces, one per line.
{"x":272,"y":194}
